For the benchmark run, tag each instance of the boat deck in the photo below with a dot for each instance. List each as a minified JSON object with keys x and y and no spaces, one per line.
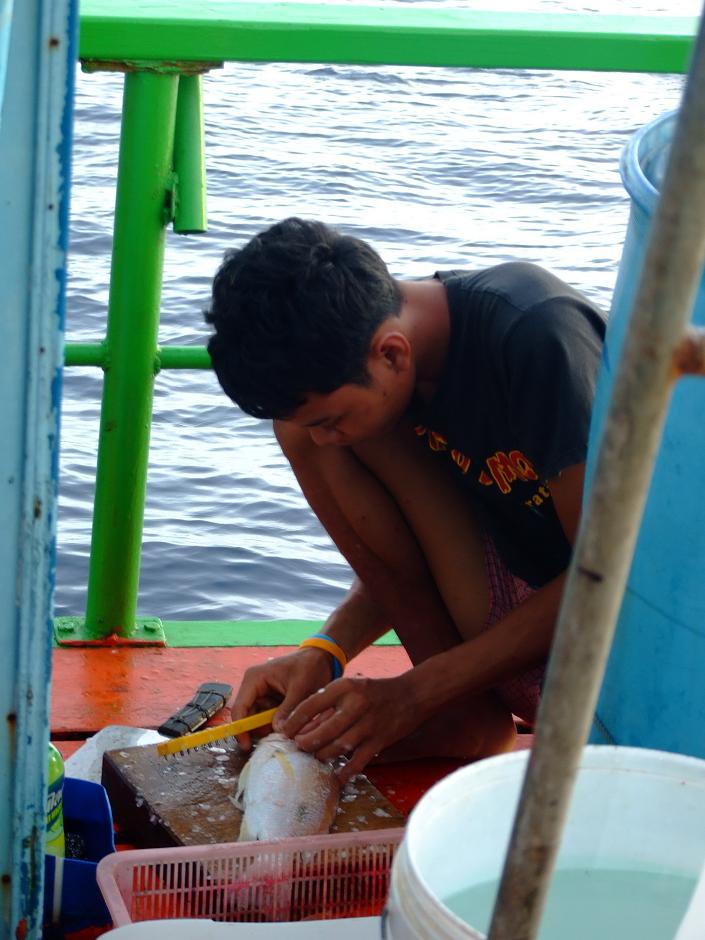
{"x":141,"y":687}
{"x":93,"y":687}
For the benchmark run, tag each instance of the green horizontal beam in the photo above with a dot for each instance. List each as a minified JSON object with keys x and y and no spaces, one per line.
{"x":193,"y":633}
{"x":84,"y":354}
{"x":199,"y":30}
{"x":183,"y":357}
{"x":168,"y":357}
{"x":190,"y":634}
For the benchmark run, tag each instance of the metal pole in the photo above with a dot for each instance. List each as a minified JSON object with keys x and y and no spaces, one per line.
{"x":167,"y":357}
{"x":142,"y":210}
{"x":598,"y":573}
{"x":190,"y":158}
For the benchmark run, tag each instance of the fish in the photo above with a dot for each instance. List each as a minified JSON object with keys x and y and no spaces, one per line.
{"x":285,"y":792}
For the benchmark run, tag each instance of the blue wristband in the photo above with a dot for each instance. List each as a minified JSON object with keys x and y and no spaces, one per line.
{"x":337,"y":668}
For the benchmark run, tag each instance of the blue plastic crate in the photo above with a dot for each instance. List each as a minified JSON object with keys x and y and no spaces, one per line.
{"x":72,"y":898}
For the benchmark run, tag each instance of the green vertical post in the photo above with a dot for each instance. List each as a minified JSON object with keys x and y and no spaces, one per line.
{"x":144,"y":194}
{"x":189,"y":158}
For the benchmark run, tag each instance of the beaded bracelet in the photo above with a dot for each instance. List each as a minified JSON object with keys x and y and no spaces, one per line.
{"x":322,"y":642}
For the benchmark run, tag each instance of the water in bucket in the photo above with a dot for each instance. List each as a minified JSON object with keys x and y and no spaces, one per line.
{"x":630,"y":856}
{"x":586,"y":904}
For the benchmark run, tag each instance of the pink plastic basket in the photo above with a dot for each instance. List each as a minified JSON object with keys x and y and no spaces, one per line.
{"x":311,"y":878}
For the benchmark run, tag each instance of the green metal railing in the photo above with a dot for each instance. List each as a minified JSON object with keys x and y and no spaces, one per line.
{"x":132,"y":31}
{"x":144,"y":206}
{"x":161,"y":181}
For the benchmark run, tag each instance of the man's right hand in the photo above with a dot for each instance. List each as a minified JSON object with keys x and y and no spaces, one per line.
{"x":286,"y":680}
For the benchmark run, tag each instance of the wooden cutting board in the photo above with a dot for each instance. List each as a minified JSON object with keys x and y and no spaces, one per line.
{"x":189,"y":800}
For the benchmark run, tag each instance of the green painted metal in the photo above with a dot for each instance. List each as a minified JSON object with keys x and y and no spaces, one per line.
{"x":190,"y":158}
{"x":144,"y":182}
{"x":183,"y":357}
{"x":73,"y":631}
{"x":167,"y":357}
{"x":188,"y":30}
{"x":192,"y":633}
{"x":84,"y":354}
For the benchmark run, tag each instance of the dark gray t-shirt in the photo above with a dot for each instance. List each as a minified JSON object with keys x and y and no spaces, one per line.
{"x":512,"y":408}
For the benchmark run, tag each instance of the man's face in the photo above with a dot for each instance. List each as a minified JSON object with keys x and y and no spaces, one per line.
{"x":355,"y":413}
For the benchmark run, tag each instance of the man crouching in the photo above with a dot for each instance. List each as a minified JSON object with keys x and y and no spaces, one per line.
{"x":438,"y":429}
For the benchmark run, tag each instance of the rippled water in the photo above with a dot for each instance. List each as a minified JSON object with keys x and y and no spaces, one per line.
{"x":436,"y":167}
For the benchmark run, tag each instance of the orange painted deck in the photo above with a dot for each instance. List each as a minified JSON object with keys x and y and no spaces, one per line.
{"x":94,"y":687}
{"x":141,"y":687}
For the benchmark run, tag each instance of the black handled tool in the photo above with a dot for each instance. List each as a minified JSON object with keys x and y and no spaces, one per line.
{"x":209,"y":699}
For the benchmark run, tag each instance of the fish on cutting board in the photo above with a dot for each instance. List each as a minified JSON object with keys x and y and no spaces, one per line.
{"x":285,"y":792}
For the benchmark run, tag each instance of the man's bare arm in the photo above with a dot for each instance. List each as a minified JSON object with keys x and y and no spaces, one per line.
{"x":357,"y":622}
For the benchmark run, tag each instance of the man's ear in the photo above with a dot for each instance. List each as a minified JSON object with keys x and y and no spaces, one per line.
{"x":393,"y":348}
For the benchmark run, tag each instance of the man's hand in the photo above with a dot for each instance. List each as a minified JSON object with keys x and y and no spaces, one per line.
{"x":287,"y":680}
{"x":354,"y":717}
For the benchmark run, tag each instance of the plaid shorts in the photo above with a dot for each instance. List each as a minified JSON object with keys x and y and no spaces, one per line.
{"x":522,"y":693}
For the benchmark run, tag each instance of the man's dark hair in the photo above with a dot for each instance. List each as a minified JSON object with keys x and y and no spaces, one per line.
{"x":294,"y":312}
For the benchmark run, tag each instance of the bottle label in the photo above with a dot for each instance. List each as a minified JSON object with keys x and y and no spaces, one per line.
{"x":54,"y":801}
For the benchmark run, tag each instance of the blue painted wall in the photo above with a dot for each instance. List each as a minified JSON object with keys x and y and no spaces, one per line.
{"x":34,"y":186}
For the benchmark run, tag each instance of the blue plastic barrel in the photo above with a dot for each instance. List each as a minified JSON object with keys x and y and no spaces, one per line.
{"x":653,"y":694}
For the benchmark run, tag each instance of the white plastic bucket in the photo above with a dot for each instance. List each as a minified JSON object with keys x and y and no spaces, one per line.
{"x":631,"y":809}
{"x":357,"y":928}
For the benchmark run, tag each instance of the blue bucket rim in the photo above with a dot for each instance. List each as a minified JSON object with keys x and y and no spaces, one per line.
{"x":638,"y":185}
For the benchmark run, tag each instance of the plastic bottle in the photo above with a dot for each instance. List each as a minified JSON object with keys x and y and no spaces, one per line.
{"x":55,"y":844}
